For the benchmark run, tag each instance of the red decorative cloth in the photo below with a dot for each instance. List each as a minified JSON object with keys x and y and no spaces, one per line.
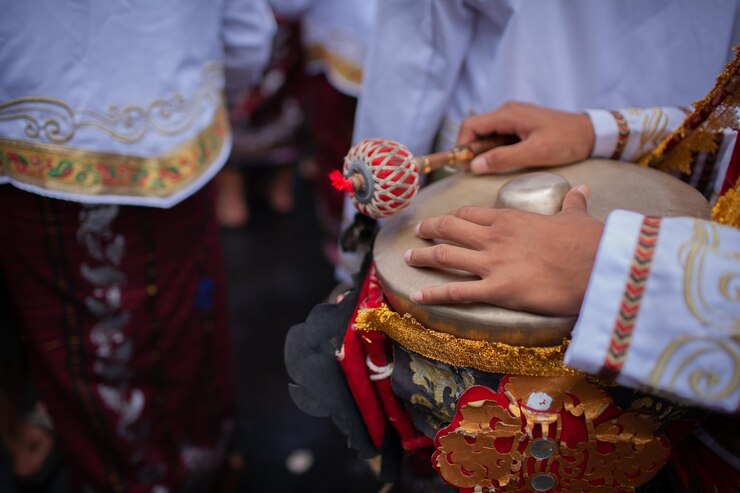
{"x":122,"y":312}
{"x":352,"y":360}
{"x":368,"y":365}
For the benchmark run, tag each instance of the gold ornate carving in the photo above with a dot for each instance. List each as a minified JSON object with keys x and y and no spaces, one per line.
{"x":56,"y":121}
{"x":591,"y":446}
{"x":492,"y":357}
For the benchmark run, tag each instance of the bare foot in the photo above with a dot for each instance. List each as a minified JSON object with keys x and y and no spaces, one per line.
{"x":231,"y":202}
{"x":34,"y":445}
{"x":280,"y":192}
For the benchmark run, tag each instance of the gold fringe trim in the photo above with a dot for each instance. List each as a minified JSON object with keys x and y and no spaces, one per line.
{"x":712,"y":114}
{"x":727,"y":209}
{"x":492,"y":357}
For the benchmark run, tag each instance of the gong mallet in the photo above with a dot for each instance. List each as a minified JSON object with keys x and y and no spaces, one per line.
{"x":382,"y":176}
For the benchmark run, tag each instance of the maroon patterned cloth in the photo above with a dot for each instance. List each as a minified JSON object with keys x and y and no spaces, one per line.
{"x":122,"y":311}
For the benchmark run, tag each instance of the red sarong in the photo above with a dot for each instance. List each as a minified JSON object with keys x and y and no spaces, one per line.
{"x":122,"y":312}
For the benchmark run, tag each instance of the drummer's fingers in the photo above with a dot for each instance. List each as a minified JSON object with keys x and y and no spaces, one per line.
{"x":500,"y":121}
{"x":446,"y":257}
{"x":483,"y":216}
{"x":576,"y":198}
{"x":451,"y":228}
{"x":454,"y":292}
{"x":527,"y":152}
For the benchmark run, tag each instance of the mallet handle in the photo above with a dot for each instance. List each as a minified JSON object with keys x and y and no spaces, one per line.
{"x":462,"y":153}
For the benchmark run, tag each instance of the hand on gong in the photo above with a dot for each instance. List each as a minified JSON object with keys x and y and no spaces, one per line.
{"x":546,"y":137}
{"x":525,"y":261}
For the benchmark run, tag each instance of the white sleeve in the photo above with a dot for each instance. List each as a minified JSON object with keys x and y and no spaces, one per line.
{"x":248,"y":28}
{"x":628,"y":134}
{"x":413,"y":63}
{"x":662,"y":309}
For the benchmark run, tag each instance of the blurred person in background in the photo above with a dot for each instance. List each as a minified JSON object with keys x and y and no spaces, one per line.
{"x":267,"y":125}
{"x":335,"y":35}
{"x":112,"y":123}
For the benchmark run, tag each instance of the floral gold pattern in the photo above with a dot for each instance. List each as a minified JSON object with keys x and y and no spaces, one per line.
{"x":565,"y":428}
{"x":55,"y":121}
{"x":492,"y":357}
{"x":82,"y":172}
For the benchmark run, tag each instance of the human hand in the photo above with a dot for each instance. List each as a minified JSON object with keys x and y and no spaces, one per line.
{"x":525,"y":261}
{"x":547,"y":137}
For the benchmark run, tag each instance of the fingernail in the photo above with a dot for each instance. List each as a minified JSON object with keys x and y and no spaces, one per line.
{"x":407,"y":255}
{"x":417,"y":228}
{"x":584,"y":190}
{"x":478,"y":165}
{"x":417,"y":296}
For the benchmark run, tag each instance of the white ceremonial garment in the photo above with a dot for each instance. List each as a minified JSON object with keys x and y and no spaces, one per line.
{"x":685,"y":337}
{"x":433,"y":63}
{"x":335,"y":35}
{"x":105,"y":102}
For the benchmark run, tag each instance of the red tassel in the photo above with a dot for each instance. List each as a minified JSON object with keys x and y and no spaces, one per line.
{"x":340,"y":182}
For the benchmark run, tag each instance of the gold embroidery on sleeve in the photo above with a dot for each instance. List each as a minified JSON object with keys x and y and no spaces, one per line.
{"x":714,"y":300}
{"x":703,"y":247}
{"x":653,"y":129}
{"x":707,"y":386}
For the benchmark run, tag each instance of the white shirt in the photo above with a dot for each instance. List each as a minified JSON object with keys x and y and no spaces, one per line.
{"x":335,"y":35}
{"x":97,"y":82}
{"x":432,"y":63}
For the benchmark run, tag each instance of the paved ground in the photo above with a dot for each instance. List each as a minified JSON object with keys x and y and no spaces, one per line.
{"x":277,"y":273}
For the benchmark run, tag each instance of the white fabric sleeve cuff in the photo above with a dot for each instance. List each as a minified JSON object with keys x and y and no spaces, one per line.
{"x":593,"y":330}
{"x":684,"y":338}
{"x":643,"y":130}
{"x":605,"y":132}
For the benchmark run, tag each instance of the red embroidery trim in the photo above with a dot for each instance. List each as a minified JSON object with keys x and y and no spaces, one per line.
{"x":624,"y":134}
{"x":632,"y":297}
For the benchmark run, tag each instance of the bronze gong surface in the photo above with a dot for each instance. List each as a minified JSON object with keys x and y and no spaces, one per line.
{"x":613,"y":184}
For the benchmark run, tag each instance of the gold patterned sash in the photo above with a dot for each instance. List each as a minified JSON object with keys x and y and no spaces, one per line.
{"x":80,"y":172}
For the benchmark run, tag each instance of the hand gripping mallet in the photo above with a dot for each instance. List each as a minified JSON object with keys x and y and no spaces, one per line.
{"x":382,"y":176}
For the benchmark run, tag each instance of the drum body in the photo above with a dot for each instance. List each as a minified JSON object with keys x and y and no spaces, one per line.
{"x":488,"y":383}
